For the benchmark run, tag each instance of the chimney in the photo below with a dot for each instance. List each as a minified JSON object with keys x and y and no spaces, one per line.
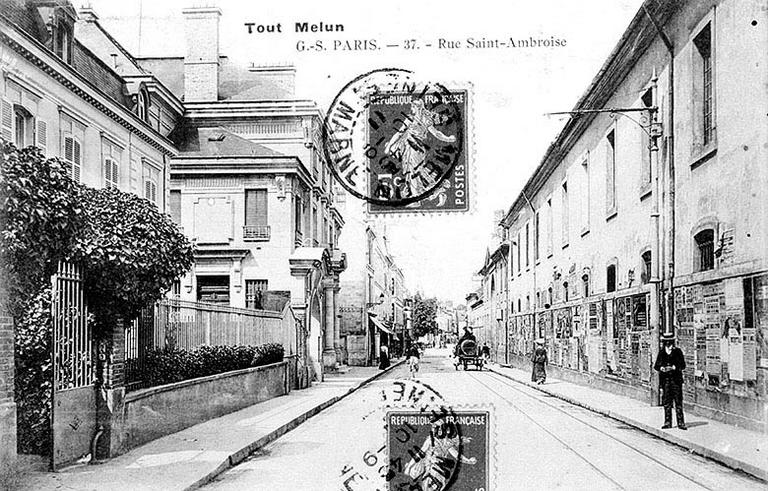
{"x":201,"y":61}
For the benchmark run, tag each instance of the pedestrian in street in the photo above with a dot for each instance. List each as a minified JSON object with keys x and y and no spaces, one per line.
{"x":383,"y":357}
{"x":539,"y":359}
{"x":413,"y":360}
{"x":670,"y":364}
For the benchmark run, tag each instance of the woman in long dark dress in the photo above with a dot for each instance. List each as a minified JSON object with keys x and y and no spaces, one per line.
{"x":539,"y":359}
{"x":383,"y":357}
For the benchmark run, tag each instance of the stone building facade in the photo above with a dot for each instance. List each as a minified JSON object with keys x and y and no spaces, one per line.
{"x":642,"y":221}
{"x":373,"y":296}
{"x":250,"y":187}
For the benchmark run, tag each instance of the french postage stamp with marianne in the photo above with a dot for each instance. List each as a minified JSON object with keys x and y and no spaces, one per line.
{"x":400,"y":143}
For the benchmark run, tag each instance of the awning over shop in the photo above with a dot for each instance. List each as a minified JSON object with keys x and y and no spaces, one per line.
{"x":379,"y":325}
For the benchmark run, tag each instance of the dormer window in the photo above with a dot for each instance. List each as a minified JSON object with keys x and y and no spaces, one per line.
{"x":63,"y":42}
{"x":142,"y":105}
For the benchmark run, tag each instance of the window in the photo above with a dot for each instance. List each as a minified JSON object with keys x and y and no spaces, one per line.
{"x":610,"y":172}
{"x":550,"y":221}
{"x":645,"y":277}
{"x":705,"y":250}
{"x":150,"y":191}
{"x":111,"y":176}
{"x":564,"y":207}
{"x":298,"y":217}
{"x":256,"y":226}
{"x":63,"y":41}
{"x":585,"y":196}
{"x":73,"y":157}
{"x":538,"y":299}
{"x":536,"y":236}
{"x":565,"y":291}
{"x":254,"y":293}
{"x":142,"y":105}
{"x":549,"y":297}
{"x":519,"y":305}
{"x":314,"y":225}
{"x":527,"y":302}
{"x":151,"y":177}
{"x":213,"y":289}
{"x":175,"y":206}
{"x":703,"y":43}
{"x":519,"y":269}
{"x":527,"y":245}
{"x":645,"y":144}
{"x":610,"y":278}
{"x":585,"y":285}
{"x":326,"y":235}
{"x":20,"y":124}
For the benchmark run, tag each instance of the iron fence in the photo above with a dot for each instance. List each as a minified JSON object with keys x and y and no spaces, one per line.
{"x":186,"y":325}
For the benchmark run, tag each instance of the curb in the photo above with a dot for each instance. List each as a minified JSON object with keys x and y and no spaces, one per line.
{"x":240,"y":455}
{"x":730,"y":462}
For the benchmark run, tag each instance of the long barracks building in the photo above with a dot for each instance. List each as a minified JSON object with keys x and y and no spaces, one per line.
{"x":649,"y":214}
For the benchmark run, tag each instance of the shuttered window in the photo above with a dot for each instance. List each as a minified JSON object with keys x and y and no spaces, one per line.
{"x":256,"y":207}
{"x":73,"y":157}
{"x":7,"y":121}
{"x":111,"y":176}
{"x":175,"y":206}
{"x":150,"y":191}
{"x":41,"y":135}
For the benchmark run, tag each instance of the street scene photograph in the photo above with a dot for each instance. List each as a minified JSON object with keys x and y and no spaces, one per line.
{"x":416,"y":246}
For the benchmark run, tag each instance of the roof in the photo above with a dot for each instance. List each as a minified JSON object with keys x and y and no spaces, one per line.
{"x":27,"y":17}
{"x":236,"y":83}
{"x":215,"y":142}
{"x":90,"y":33}
{"x":635,"y":40}
{"x":498,"y":254}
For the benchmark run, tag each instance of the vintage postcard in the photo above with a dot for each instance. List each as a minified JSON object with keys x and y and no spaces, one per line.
{"x":352,"y":246}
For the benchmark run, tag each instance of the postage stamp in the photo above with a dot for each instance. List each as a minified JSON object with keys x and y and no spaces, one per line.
{"x":399,"y":143}
{"x":451,"y":451}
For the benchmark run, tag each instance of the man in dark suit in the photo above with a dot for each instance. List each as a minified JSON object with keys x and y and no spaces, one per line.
{"x":670,"y":364}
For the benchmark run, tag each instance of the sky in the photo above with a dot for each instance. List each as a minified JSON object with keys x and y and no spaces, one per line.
{"x":512,"y":89}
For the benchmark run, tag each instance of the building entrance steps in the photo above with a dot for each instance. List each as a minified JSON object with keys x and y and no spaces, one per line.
{"x":729,"y":445}
{"x":194,"y":456}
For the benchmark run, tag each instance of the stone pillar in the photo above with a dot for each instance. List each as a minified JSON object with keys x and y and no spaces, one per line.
{"x":329,"y":353}
{"x":110,"y":398}
{"x":7,"y":404}
{"x":337,"y":329}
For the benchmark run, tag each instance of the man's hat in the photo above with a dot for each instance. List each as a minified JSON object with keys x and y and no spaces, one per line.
{"x":667,"y":336}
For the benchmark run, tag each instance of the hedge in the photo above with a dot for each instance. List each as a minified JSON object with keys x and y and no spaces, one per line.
{"x":169,"y":365}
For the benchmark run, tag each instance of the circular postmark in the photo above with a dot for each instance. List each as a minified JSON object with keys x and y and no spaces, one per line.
{"x":392,"y":139}
{"x":423,"y":447}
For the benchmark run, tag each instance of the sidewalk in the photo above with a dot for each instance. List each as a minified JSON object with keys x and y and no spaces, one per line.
{"x":192,"y":457}
{"x":730,"y":445}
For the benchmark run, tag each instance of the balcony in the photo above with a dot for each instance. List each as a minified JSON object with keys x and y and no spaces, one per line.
{"x":256,"y":232}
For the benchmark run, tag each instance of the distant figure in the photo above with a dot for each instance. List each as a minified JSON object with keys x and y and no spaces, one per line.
{"x":539,"y":359}
{"x":383,"y":357}
{"x":670,"y":364}
{"x":485,"y":351}
{"x":413,"y":360}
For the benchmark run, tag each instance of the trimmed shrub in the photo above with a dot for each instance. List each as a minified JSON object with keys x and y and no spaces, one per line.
{"x":169,"y":365}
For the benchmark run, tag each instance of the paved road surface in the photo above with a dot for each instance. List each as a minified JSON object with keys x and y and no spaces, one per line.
{"x":540,"y":443}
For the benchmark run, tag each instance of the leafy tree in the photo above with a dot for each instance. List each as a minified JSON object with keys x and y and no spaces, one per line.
{"x":40,"y":215}
{"x":424,"y":316}
{"x":130,"y":251}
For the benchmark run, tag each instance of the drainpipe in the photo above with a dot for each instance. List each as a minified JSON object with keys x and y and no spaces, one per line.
{"x":671,"y":209}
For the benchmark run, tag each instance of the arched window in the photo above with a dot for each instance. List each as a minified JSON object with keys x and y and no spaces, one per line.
{"x":585,"y":285}
{"x":705,"y":250}
{"x":549,"y":296}
{"x":565,"y":291}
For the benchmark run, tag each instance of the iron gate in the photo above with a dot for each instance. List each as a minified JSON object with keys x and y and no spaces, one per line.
{"x":74,"y":395}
